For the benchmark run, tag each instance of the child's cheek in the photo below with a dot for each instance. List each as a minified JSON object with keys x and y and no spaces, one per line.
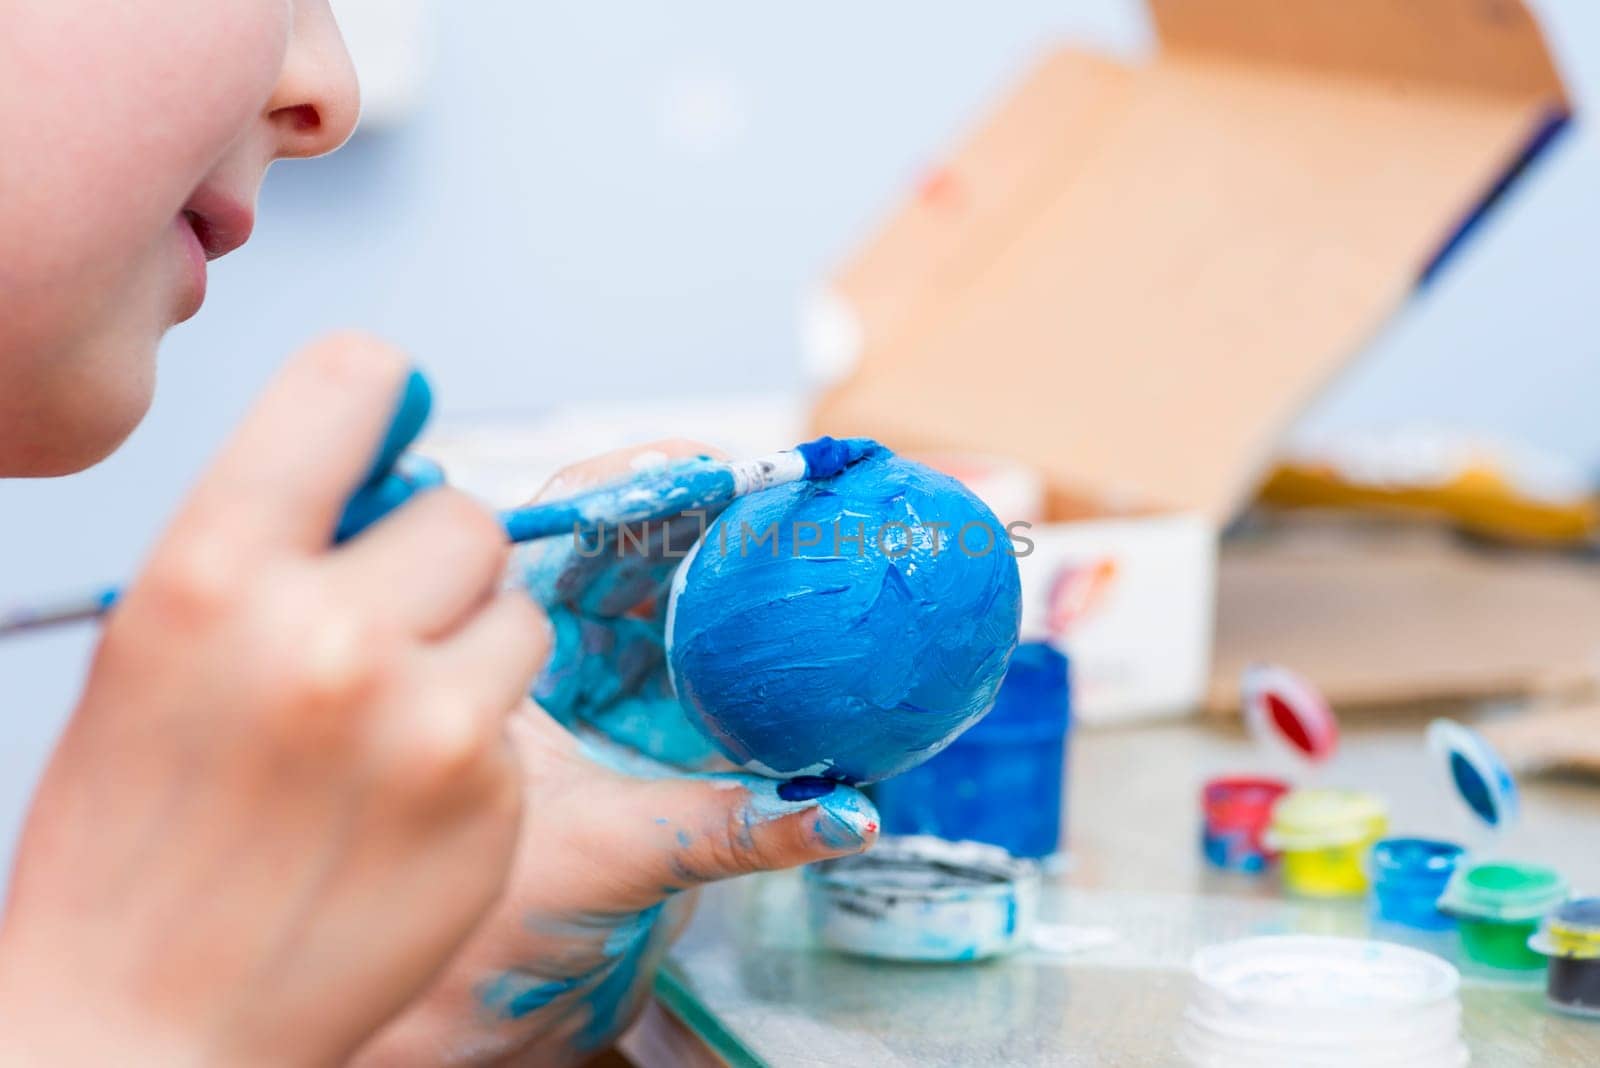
{"x":129,"y":107}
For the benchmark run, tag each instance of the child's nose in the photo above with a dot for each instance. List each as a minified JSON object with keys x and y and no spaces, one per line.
{"x":316,"y":103}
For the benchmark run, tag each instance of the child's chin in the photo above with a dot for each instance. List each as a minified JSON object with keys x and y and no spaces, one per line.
{"x":82,"y":426}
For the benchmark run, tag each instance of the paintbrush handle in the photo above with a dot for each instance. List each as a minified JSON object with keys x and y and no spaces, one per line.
{"x":655,"y":494}
{"x":659,"y":493}
{"x":56,"y":613}
{"x":648,"y":496}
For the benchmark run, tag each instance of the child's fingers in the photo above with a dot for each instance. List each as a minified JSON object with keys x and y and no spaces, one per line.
{"x":429,"y":564}
{"x":490,"y":663}
{"x":284,"y":477}
{"x":610,"y":466}
{"x":676,"y":833}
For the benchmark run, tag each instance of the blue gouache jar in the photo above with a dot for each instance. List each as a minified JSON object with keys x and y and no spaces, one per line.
{"x":1000,"y":782}
{"x":1408,"y":877}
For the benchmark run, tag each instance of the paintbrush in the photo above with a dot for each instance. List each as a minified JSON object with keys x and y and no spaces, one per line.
{"x":658,"y":493}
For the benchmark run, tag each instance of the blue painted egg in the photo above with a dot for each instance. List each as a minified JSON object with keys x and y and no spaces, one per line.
{"x":849,"y":627}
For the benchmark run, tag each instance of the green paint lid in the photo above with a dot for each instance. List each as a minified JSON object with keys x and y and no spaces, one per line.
{"x":1322,"y":819}
{"x":1504,"y":891}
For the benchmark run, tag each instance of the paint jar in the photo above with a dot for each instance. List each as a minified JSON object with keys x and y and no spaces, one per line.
{"x":919,"y":898}
{"x":1315,"y":1000}
{"x":1001,"y":782}
{"x":1287,"y":717}
{"x":1500,"y":904}
{"x":1409,"y":875}
{"x":1237,"y":810}
{"x":1570,"y":937}
{"x":1325,"y":836}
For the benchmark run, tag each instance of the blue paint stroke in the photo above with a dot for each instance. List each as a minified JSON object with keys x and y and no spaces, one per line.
{"x":805,"y":788}
{"x":514,"y":994}
{"x":858,"y":638}
{"x":621,"y":941}
{"x":827,"y":457}
{"x":612,"y":1002}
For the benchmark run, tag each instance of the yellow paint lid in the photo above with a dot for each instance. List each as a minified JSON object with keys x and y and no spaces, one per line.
{"x":1322,"y":818}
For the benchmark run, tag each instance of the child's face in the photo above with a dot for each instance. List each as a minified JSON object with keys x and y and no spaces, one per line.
{"x":133,"y":141}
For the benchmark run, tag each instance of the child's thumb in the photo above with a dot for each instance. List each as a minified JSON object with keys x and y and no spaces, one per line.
{"x":682,"y":832}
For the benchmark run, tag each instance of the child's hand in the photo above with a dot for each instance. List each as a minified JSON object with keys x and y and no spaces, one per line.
{"x":564,"y":961}
{"x":287,"y":794}
{"x":606,"y":597}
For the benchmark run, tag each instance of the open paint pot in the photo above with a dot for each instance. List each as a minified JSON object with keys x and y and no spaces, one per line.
{"x":1289,"y":719}
{"x":920,"y":898}
{"x":1499,"y":905}
{"x":1325,"y":836}
{"x":1313,"y":1000}
{"x":1409,"y":875}
{"x":1570,"y":937}
{"x":1237,"y":812}
{"x":1001,"y":781}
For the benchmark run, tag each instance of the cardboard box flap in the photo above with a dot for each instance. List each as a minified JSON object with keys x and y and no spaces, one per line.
{"x":963,"y":213}
{"x":1490,"y":46}
{"x":1132,"y":278}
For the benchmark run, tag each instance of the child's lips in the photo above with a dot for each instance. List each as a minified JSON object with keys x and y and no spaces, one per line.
{"x":209,"y":227}
{"x":221,"y":225}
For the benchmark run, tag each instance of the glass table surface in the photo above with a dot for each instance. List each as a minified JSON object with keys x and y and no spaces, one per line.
{"x":1126,"y":911}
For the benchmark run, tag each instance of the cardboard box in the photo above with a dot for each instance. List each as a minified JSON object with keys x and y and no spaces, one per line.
{"x":1133,"y":276}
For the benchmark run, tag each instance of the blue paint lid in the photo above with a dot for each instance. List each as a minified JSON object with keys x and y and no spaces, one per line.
{"x":1407,"y":860}
{"x":1034,"y":702}
{"x":1476,"y":774}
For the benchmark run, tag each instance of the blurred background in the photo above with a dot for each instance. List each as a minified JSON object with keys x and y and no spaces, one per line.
{"x":564,"y":201}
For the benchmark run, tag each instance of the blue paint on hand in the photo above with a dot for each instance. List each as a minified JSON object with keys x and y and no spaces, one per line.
{"x":845,"y":819}
{"x":514,"y":994}
{"x":653,"y":494}
{"x":608,"y":667}
{"x":847,"y":628}
{"x":805,"y":788}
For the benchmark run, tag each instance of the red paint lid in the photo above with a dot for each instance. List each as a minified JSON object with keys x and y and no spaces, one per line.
{"x":1286,"y":712}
